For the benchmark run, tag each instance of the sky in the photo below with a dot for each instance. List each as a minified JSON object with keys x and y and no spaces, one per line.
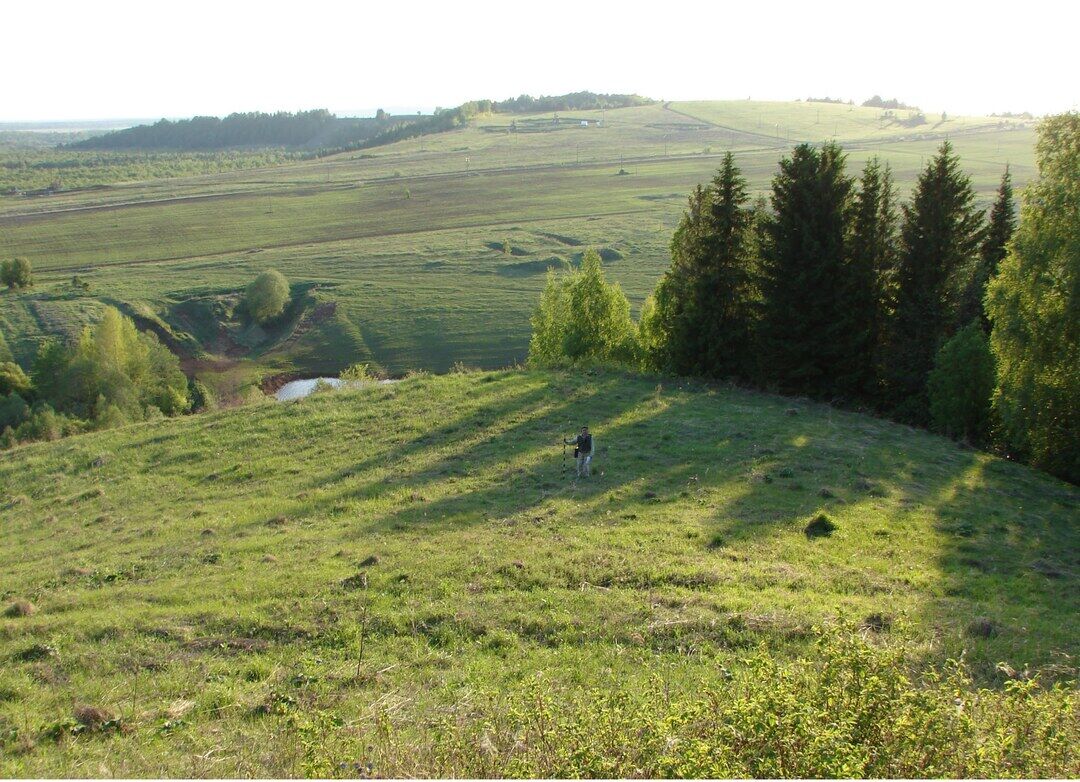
{"x":148,"y":59}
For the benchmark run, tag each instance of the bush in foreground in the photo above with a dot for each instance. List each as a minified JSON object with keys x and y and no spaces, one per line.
{"x":851,"y":711}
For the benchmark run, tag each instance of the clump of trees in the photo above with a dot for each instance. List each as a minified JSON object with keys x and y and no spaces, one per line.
{"x":582,"y":317}
{"x":878,"y":102}
{"x":16,"y":273}
{"x":832,"y":291}
{"x":266,"y":296}
{"x":109,"y":375}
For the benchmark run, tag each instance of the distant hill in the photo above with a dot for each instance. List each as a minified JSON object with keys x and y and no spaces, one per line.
{"x":304,"y":129}
{"x":318,"y":129}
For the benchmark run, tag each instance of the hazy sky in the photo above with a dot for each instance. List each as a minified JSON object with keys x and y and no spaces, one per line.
{"x":113,"y":58}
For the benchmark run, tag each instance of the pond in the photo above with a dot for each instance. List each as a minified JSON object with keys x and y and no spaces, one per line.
{"x":298,"y":389}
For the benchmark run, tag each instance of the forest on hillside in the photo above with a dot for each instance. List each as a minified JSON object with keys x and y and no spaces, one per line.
{"x":251,"y":129}
{"x":322,"y":130}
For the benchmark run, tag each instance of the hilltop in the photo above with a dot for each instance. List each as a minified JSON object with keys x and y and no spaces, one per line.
{"x":206,"y":583}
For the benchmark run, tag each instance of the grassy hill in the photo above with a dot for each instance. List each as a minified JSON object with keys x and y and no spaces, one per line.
{"x":405,"y":241}
{"x":202,"y":587}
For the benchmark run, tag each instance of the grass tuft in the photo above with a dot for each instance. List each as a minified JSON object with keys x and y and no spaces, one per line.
{"x":820,"y":526}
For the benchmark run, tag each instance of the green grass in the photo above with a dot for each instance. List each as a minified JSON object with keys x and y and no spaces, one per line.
{"x":190,"y":576}
{"x":413,"y":279}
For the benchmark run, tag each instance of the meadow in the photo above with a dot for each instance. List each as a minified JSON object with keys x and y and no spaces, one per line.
{"x":405,"y":242}
{"x":405,"y":579}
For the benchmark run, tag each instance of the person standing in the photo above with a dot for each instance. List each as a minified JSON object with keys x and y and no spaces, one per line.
{"x":583,"y":451}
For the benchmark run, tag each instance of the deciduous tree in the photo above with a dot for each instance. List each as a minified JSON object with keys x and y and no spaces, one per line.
{"x":1034,"y":308}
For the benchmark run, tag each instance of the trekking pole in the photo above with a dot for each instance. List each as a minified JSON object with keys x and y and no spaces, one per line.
{"x":564,"y":457}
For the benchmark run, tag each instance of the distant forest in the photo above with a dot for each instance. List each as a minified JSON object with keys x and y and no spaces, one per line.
{"x":322,"y":131}
{"x":573,"y":101}
{"x":254,"y":129}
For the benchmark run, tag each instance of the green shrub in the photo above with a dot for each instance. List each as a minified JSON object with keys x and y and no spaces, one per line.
{"x":5,"y":351}
{"x":202,"y":398}
{"x":13,"y":410}
{"x":851,"y":711}
{"x":960,"y":385}
{"x":16,"y":273}
{"x":267,"y":296}
{"x":13,"y":380}
{"x":357,"y":373}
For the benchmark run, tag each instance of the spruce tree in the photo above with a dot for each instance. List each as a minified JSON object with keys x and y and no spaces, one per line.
{"x":723,"y":287}
{"x":999,"y":231}
{"x":703,"y":307}
{"x":666,"y":321}
{"x":804,"y":315}
{"x":940,"y":236}
{"x":868,"y":279}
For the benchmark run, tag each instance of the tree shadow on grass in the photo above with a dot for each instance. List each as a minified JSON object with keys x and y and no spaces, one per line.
{"x":511,"y":459}
{"x":994,"y":544}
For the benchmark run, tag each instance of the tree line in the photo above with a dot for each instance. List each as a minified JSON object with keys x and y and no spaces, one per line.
{"x":572,"y":101}
{"x":250,"y":129}
{"x":930,"y":311}
{"x":329,"y":133}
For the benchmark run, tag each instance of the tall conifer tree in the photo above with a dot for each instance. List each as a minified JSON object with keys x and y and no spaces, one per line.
{"x":999,"y":231}
{"x":704,"y":303}
{"x":939,"y":240}
{"x":868,"y":281}
{"x":804,"y":314}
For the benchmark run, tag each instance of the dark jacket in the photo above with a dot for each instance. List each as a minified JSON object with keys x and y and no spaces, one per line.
{"x":583,"y":444}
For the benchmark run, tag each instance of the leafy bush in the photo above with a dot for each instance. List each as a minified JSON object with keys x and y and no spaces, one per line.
{"x":13,"y":380}
{"x":581,"y":316}
{"x":13,"y":411}
{"x":960,"y":385}
{"x":267,"y":296}
{"x":357,"y":373}
{"x":16,"y":273}
{"x":851,"y":711}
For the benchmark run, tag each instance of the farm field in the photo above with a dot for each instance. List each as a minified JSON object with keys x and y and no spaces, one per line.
{"x":398,"y":251}
{"x":356,"y":583}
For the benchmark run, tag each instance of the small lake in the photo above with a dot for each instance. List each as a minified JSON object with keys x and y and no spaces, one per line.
{"x":298,"y":389}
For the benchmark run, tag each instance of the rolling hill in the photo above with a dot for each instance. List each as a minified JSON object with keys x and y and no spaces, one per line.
{"x":403,"y":579}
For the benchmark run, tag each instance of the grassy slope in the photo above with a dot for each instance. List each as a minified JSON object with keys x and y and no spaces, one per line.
{"x":416,"y":283}
{"x":202,"y":559}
